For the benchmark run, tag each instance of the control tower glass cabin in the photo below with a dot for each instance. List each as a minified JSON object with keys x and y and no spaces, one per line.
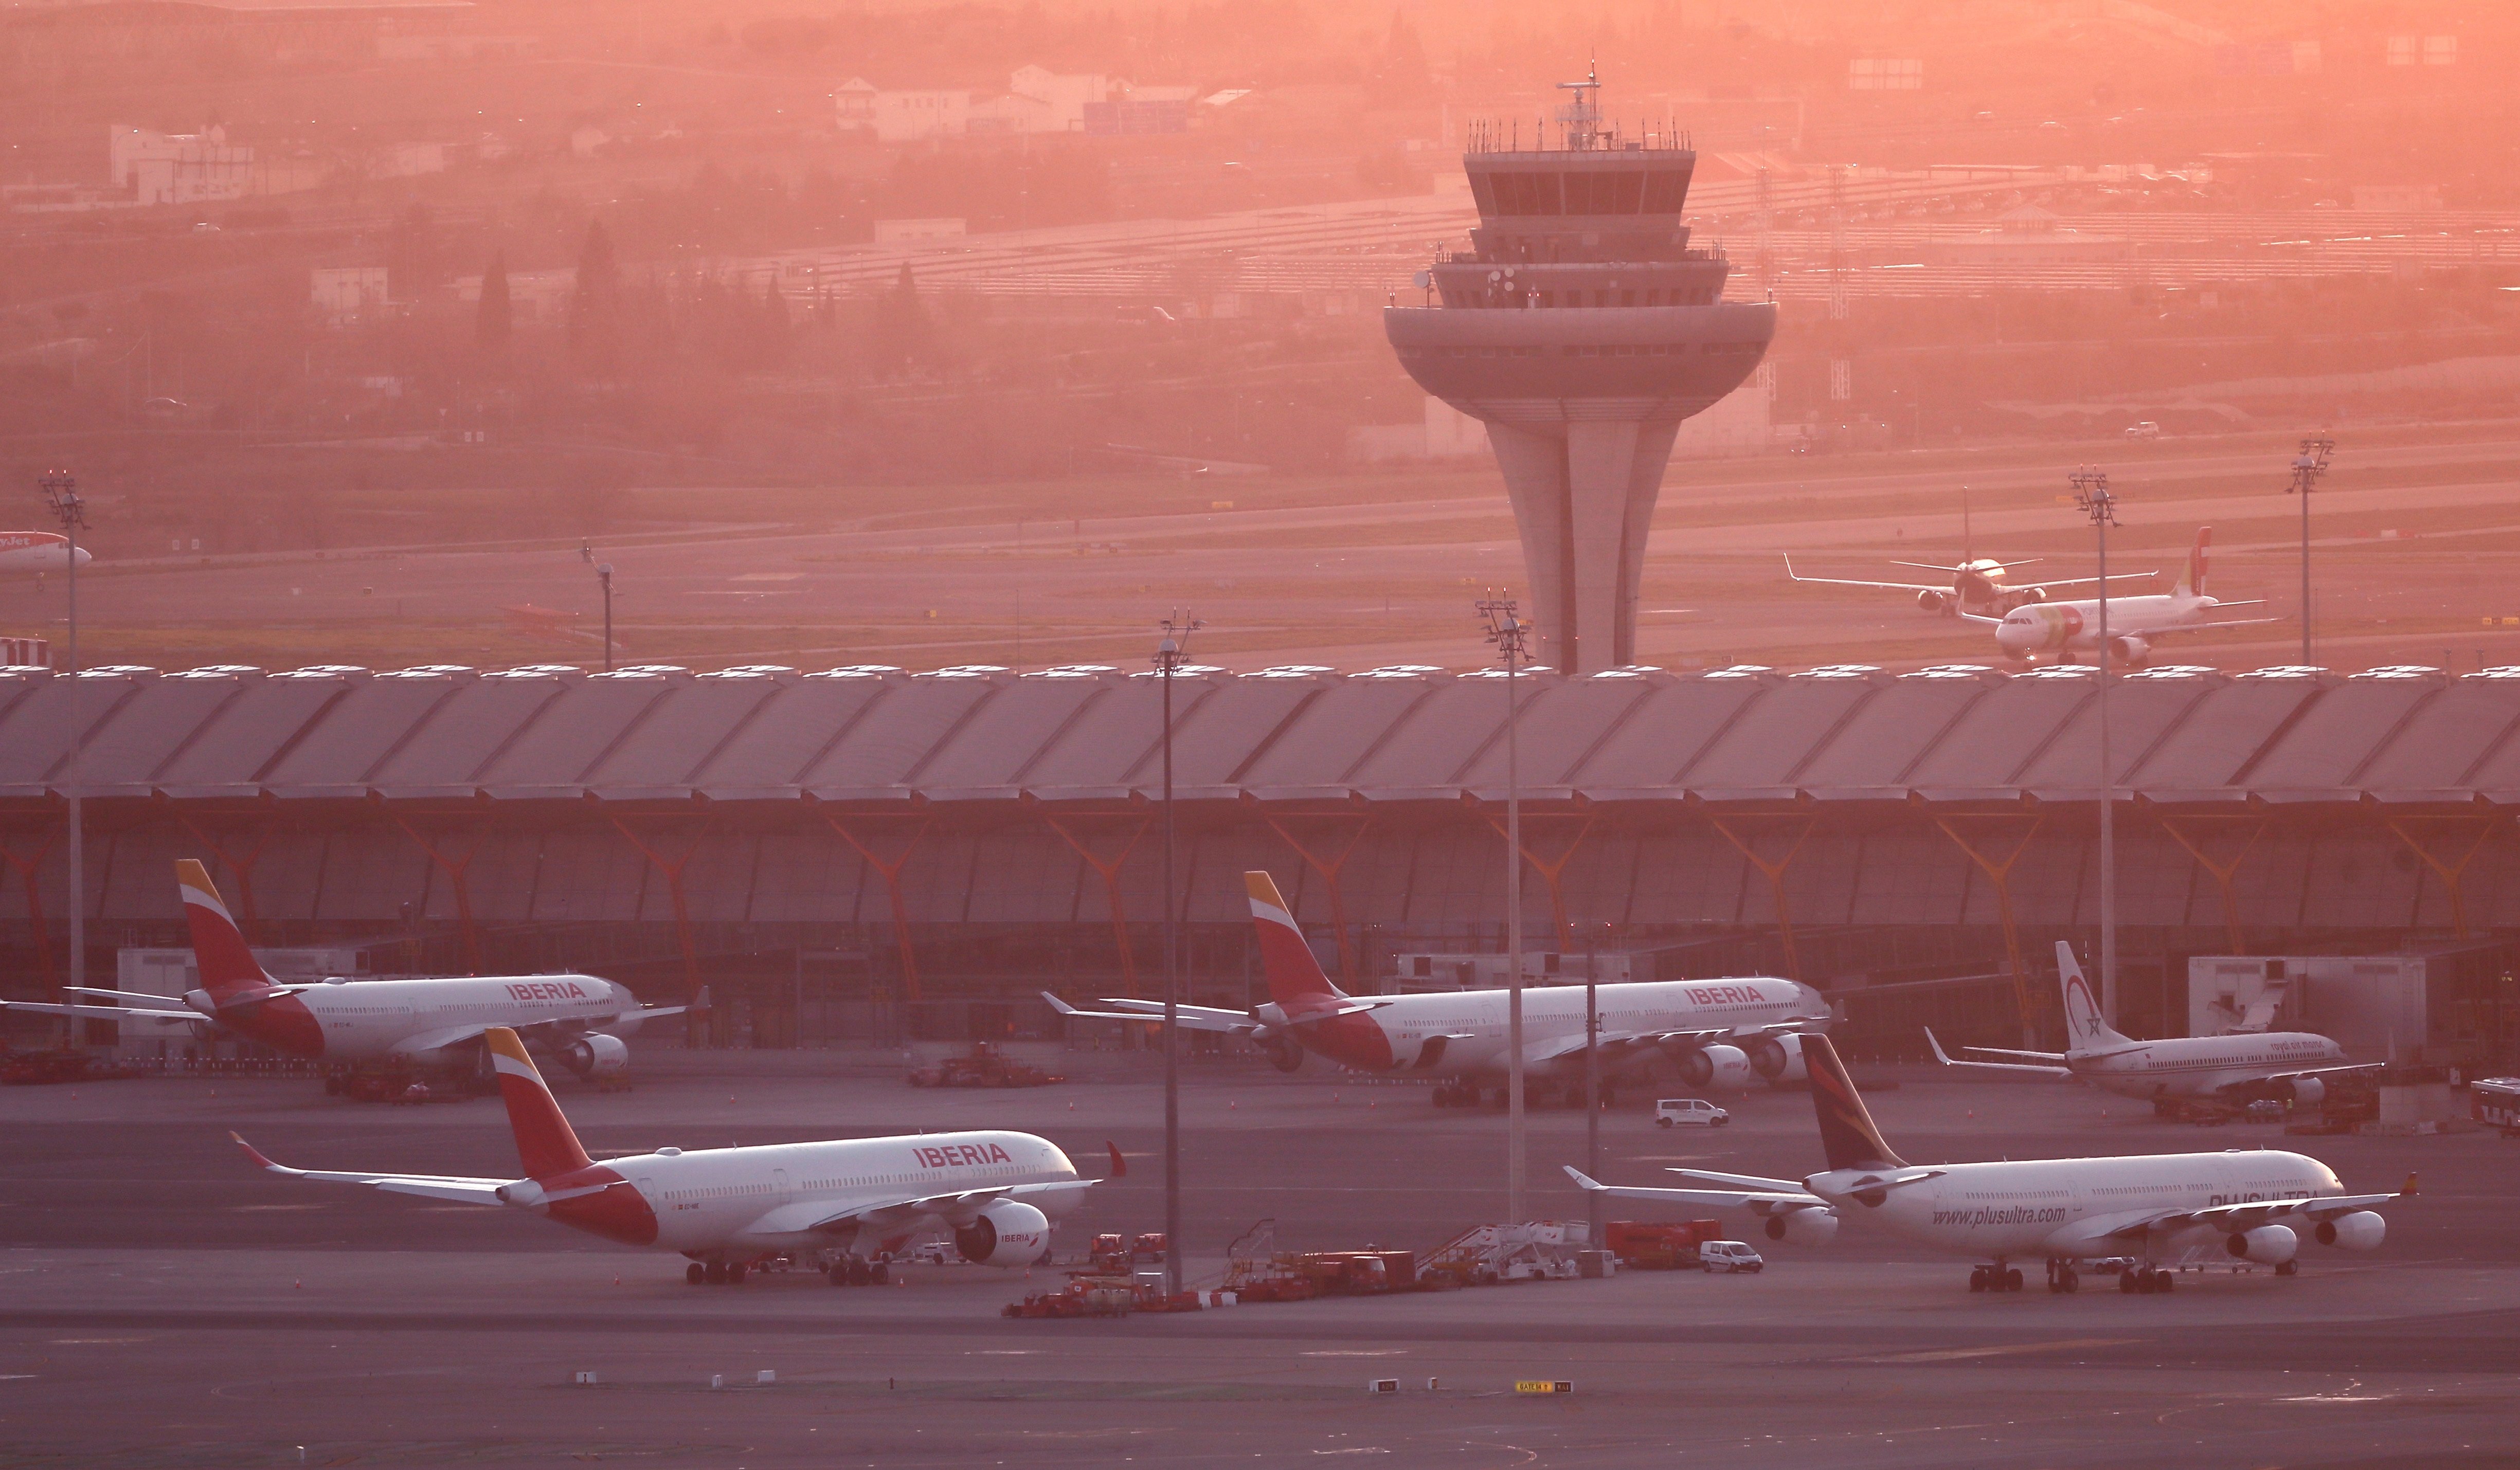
{"x":1582,"y":328}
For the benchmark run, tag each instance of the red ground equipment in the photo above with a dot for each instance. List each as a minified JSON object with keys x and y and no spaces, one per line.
{"x":983,"y":1066}
{"x":1659,"y":1245}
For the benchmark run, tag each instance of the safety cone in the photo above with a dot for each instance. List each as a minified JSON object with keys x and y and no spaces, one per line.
{"x":298,"y":1285}
{"x":617,"y":1280}
{"x":1231,"y":1106}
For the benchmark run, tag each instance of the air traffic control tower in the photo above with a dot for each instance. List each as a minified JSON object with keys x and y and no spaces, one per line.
{"x":1583,"y":329}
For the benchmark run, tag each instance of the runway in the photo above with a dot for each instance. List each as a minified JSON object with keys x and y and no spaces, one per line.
{"x":263,"y":1315}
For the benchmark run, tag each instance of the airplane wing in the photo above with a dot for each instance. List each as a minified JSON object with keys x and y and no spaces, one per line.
{"x":2108,"y":1233}
{"x":889,"y":1212}
{"x":1875,"y":585}
{"x":1978,"y":618}
{"x":102,"y":1012}
{"x":146,"y":1000}
{"x":427,"y":1185}
{"x":1191,"y":1018}
{"x":1957,"y":570}
{"x":1751,"y":1182}
{"x":2124,"y":576}
{"x":2259,"y":1081}
{"x":2236,"y":622}
{"x":1762,"y":1203}
{"x":2045,"y":1071}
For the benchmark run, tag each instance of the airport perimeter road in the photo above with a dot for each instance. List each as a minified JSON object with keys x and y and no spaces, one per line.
{"x":264,"y":1315}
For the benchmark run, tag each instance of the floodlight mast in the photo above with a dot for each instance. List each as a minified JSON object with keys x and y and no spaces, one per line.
{"x":2092,"y":497}
{"x":1512,"y":636}
{"x":61,"y":497}
{"x":603,"y":574}
{"x":2306,"y":469}
{"x":1169,"y":654}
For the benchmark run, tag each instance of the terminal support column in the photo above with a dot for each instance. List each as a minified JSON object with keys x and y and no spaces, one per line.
{"x":1601,"y":469}
{"x":1534,"y":464}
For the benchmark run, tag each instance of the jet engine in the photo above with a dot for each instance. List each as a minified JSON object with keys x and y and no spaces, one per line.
{"x":1778,"y":1058}
{"x":2362,"y":1230}
{"x":2130,"y":651}
{"x":1284,"y":1052}
{"x":1804,"y":1227}
{"x":2267,"y":1245}
{"x":2309,"y":1092}
{"x":1934,"y":602}
{"x":596,"y":1054}
{"x":1724,"y":1069}
{"x":1007,"y":1234}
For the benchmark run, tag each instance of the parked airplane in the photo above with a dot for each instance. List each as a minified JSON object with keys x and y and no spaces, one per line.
{"x":37,"y":551}
{"x":2233,"y":1069}
{"x":1721,"y":1034}
{"x":834,"y":1203}
{"x":1977,"y":582}
{"x":2255,"y":1203}
{"x":2067,"y":629}
{"x":578,"y":1019}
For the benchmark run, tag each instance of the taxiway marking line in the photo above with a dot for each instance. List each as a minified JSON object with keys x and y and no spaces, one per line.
{"x":1954,"y":1355}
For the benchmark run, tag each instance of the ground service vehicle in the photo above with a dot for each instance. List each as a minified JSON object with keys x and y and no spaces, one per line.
{"x":1690,"y":1112}
{"x":1729,"y":1257}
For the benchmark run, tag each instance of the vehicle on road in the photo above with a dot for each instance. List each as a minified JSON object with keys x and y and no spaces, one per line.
{"x":2233,"y":1072}
{"x":839,"y":1203}
{"x":577,"y":1020}
{"x":1729,"y":1257}
{"x":1690,"y":1112}
{"x":2253,"y":1204}
{"x":1718,"y":1034}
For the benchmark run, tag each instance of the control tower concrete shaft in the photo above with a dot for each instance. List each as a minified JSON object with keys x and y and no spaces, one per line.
{"x":1583,"y":329}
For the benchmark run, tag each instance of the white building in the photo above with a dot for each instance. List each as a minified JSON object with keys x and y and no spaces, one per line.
{"x":914,"y":116}
{"x":1037,"y":100}
{"x":178,"y":169}
{"x":345,"y":294}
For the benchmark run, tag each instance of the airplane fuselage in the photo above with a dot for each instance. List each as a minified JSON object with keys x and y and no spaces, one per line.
{"x":375,"y":1020}
{"x":2075,"y":627}
{"x":1463,"y":1033}
{"x":2022,"y":1208}
{"x":2202,"y":1066}
{"x":29,"y":552}
{"x":768,"y":1197}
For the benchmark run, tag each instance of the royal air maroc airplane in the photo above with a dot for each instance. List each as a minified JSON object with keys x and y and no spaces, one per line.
{"x":833,"y":1203}
{"x":2065,"y":630}
{"x":2253,"y":1203}
{"x":31,"y":552}
{"x":2280,"y":1065}
{"x":1721,"y":1034}
{"x":578,"y":1019}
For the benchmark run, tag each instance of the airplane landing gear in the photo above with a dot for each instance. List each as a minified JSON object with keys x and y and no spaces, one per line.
{"x":715,"y":1273}
{"x":696,"y":1273}
{"x":1996,"y":1278}
{"x":2062,"y":1278}
{"x":2288,"y":1268}
{"x":2146,"y":1281}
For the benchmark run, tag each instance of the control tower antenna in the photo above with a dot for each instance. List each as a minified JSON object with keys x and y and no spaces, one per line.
{"x":1582,"y":117}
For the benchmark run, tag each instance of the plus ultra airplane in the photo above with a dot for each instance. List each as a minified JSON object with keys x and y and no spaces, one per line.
{"x":832,"y":1203}
{"x":2065,"y":631}
{"x":1721,"y":1034}
{"x":578,"y":1019}
{"x":31,"y":552}
{"x":2225,"y":1069}
{"x":2256,"y":1204}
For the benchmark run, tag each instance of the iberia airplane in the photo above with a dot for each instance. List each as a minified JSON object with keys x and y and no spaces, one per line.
{"x":2064,"y":630}
{"x":2279,"y":1065}
{"x":2255,"y":1203}
{"x":833,"y":1203}
{"x":37,"y":551}
{"x":579,"y":1019}
{"x":1719,"y":1034}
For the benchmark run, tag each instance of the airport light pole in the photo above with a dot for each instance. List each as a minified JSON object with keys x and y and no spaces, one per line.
{"x":1592,"y":1092}
{"x":2305,"y":470}
{"x":603,"y":574}
{"x":70,"y":508}
{"x":1512,"y":639}
{"x":1168,"y":660}
{"x":2091,"y":496}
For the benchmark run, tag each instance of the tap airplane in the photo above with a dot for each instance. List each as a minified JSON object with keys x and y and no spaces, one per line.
{"x":2065,"y":630}
{"x":578,"y":1019}
{"x":1721,"y":1034}
{"x":834,"y":1203}
{"x":2255,"y":1204}
{"x":32,"y":552}
{"x":2293,"y":1066}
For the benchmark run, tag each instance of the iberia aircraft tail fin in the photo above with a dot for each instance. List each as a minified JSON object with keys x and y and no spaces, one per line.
{"x":546,"y":1146}
{"x":1295,"y":979}
{"x":226,"y":966}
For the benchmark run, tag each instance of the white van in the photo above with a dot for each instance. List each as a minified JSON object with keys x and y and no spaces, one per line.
{"x":1729,"y":1256}
{"x":1691,"y":1111}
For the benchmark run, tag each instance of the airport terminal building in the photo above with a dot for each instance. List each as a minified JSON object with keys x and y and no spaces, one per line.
{"x":867,"y":852}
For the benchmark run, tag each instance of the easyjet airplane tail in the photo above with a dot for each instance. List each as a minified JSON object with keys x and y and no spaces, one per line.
{"x":546,"y":1146}
{"x":2192,"y":577}
{"x":228,"y":967}
{"x":1848,"y":1136}
{"x":1295,"y":979}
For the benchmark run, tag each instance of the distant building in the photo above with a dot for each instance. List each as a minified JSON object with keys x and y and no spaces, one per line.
{"x":895,"y":231}
{"x":1037,"y":100}
{"x":178,"y":169}
{"x":345,"y":294}
{"x":914,"y":116}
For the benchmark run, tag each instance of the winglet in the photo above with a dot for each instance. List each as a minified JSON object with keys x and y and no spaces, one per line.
{"x":1939,"y":1054}
{"x":1119,"y":1163}
{"x":1057,"y":1005}
{"x":1582,"y":1180}
{"x":2408,"y":1192}
{"x":263,"y":1162}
